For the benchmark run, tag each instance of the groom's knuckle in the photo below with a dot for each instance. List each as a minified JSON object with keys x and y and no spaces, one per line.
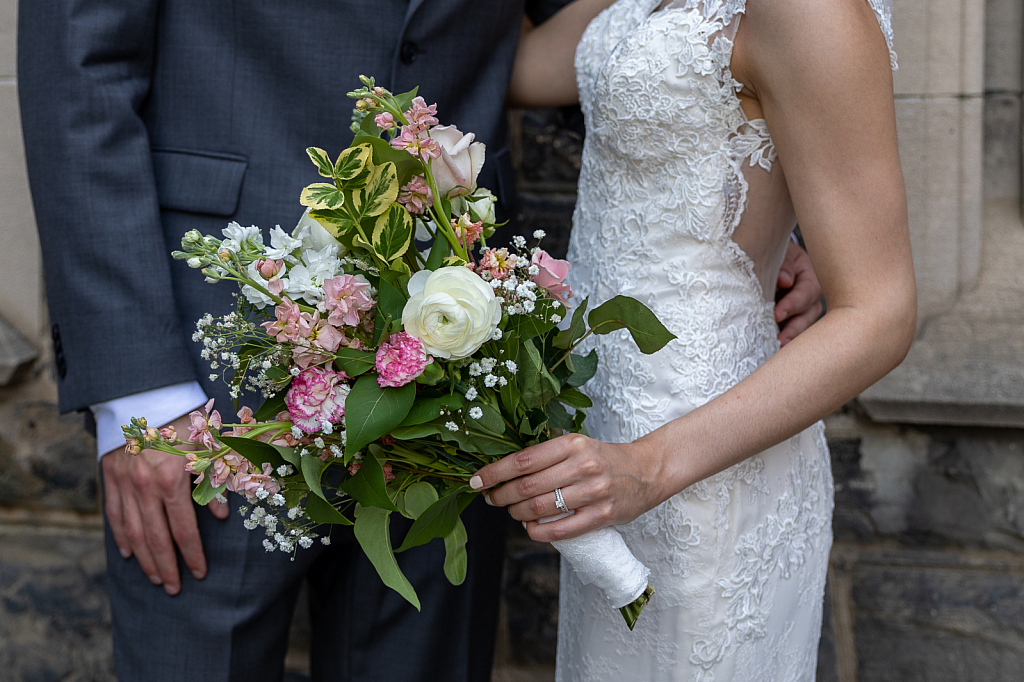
{"x":141,"y":478}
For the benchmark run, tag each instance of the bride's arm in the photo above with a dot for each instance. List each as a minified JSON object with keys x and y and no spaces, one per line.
{"x":821,"y":73}
{"x":543,"y":74}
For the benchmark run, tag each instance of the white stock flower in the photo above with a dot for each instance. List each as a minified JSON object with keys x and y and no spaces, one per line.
{"x":282,"y":245}
{"x":451,"y":310}
{"x":306,"y":279}
{"x":236,"y":237}
{"x":254,"y":295}
{"x":461,"y":160}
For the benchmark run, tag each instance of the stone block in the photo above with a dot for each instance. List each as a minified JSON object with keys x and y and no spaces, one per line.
{"x":940,"y":45}
{"x":20,"y":261}
{"x":47,"y":460}
{"x":16,"y":354}
{"x":530,"y":602}
{"x":551,"y":149}
{"x":1002,"y":147}
{"x":8,"y":38}
{"x":54,"y":614}
{"x":928,"y":624}
{"x":1004,"y":26}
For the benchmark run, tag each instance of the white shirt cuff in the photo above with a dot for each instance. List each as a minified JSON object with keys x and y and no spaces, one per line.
{"x":159,"y":406}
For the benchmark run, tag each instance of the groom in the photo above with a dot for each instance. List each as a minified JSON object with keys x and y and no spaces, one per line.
{"x":147,"y":118}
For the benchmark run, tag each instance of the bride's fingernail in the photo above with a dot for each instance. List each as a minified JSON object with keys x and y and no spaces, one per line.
{"x":525,"y":527}
{"x":476,"y":483}
{"x":487,"y":499}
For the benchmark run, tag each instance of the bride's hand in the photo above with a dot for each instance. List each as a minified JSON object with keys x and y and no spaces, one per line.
{"x":605,"y":484}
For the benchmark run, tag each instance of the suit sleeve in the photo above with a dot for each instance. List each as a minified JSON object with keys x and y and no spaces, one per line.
{"x":84,"y":73}
{"x":540,"y":11}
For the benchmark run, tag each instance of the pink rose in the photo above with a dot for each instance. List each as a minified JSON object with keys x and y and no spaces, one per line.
{"x":400,"y":360}
{"x":315,"y":396}
{"x":461,"y":159}
{"x":552,"y":276}
{"x":346,"y":296}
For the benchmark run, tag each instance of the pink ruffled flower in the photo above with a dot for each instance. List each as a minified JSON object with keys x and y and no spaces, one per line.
{"x":553,"y":272}
{"x":400,"y":360}
{"x":247,"y":482}
{"x":466,"y":230}
{"x":291,"y":325}
{"x":416,"y":196}
{"x":417,"y":144}
{"x":315,"y":396}
{"x":421,"y":116}
{"x":200,"y":426}
{"x":384,"y":121}
{"x":323,"y":339}
{"x":245,"y":416}
{"x":346,"y":296}
{"x":223,"y":468}
{"x":497,"y":263}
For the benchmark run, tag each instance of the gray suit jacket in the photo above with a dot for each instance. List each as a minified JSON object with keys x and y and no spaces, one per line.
{"x":144,"y":119}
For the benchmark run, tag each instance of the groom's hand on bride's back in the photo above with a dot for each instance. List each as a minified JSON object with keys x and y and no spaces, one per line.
{"x":799,"y":305}
{"x":148,"y":500}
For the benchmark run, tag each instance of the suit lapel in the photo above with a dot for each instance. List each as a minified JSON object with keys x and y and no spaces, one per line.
{"x":413,"y":6}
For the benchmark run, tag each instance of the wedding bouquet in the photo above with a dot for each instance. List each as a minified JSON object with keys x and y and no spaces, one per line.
{"x":390,"y":375}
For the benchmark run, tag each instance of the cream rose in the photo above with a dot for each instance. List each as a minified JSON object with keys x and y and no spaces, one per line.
{"x":460,"y":163}
{"x":451,"y":310}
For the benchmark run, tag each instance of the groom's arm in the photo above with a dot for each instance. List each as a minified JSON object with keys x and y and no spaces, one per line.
{"x":84,"y":72}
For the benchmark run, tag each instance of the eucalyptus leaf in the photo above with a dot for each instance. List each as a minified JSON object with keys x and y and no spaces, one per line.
{"x":575,"y":398}
{"x":623,"y":312}
{"x":558,"y":417}
{"x":372,"y":531}
{"x":372,"y":411}
{"x":456,"y":559}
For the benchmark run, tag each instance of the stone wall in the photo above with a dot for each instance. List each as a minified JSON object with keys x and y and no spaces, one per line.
{"x":927,"y":573}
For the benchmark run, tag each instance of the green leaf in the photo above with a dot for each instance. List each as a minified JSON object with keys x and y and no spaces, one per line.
{"x":478,"y":441}
{"x":355,"y":362}
{"x":289,"y":455}
{"x":312,"y":468}
{"x":575,"y":398}
{"x":322,"y":161}
{"x":204,"y":492}
{"x":436,"y":521}
{"x":254,"y":450}
{"x":372,"y":531}
{"x":352,"y":170}
{"x":406,"y":164}
{"x":368,"y":487}
{"x":337,"y":223}
{"x":379,"y":193}
{"x":455,"y":557}
{"x":322,"y":196}
{"x":392,"y":233}
{"x":404,"y":101}
{"x":586,"y":367}
{"x":419,"y":497}
{"x":415,"y":431}
{"x":271,"y":407}
{"x":576,"y":328}
{"x":428,"y":409}
{"x":372,"y":411}
{"x":438,"y":252}
{"x":490,"y":422}
{"x":390,"y":304}
{"x":537,"y":384}
{"x":558,"y":417}
{"x":623,"y":312}
{"x":322,"y":511}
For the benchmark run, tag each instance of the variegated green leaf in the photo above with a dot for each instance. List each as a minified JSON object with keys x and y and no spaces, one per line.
{"x":322,"y":196}
{"x":336,"y":222}
{"x":353,"y":168}
{"x":379,"y":193}
{"x":323,"y":162}
{"x":393,"y":233}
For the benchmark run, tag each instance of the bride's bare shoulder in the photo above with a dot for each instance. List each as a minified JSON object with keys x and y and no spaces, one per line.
{"x":807,"y":39}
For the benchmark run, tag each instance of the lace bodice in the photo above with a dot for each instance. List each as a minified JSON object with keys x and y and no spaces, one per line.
{"x":738,"y":560}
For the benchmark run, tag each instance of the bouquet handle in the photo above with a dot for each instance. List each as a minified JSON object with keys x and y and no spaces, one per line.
{"x":601,"y":558}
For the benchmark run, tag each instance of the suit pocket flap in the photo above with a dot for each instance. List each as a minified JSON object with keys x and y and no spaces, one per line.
{"x":198,"y":181}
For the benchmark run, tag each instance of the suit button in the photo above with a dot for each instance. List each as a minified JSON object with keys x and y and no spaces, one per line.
{"x":409,"y":52}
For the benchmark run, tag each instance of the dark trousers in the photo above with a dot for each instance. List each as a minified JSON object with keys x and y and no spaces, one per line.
{"x":233,"y":625}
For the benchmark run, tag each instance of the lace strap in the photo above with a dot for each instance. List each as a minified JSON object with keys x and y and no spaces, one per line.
{"x":883,"y":10}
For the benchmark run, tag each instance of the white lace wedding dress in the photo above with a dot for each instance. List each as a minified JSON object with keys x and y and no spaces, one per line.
{"x":671,"y":169}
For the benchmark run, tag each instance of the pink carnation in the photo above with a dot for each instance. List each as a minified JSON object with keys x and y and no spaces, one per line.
{"x":201,"y":424}
{"x":400,"y":360}
{"x":416,"y":196}
{"x":346,"y":296}
{"x":317,"y":395}
{"x":552,"y":276}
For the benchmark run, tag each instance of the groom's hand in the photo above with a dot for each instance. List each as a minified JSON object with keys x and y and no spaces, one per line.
{"x":148,"y":500}
{"x":800,"y":304}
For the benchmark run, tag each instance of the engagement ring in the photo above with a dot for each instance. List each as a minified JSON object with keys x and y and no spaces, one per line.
{"x":560,"y":501}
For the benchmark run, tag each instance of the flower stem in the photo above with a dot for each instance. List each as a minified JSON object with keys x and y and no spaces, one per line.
{"x":632,"y":611}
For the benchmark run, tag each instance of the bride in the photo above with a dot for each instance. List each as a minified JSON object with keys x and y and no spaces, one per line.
{"x":708,"y":139}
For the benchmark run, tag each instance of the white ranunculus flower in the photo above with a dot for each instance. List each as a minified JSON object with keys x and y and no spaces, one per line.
{"x":460,"y":163}
{"x":451,"y":310}
{"x":314,"y":236}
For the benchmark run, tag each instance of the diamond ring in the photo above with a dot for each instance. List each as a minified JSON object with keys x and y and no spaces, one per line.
{"x":560,"y":501}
